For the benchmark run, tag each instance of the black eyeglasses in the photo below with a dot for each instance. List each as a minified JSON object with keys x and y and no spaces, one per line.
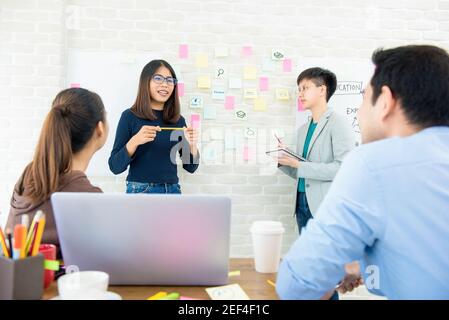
{"x":159,"y":79}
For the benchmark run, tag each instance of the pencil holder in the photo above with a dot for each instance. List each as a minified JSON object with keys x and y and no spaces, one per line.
{"x":21,"y":279}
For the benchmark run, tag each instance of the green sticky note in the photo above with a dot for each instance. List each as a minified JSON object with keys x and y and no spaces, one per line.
{"x":171,"y":296}
{"x":52,"y":265}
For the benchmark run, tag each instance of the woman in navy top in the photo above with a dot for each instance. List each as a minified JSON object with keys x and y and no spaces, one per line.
{"x":152,"y":132}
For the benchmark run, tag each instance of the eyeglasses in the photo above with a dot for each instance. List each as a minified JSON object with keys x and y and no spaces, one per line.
{"x":306,"y":88}
{"x":159,"y":79}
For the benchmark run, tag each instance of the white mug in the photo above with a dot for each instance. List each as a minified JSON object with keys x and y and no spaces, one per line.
{"x":83,"y":285}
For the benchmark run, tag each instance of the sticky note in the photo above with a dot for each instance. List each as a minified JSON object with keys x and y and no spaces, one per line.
{"x":250,"y":93}
{"x":247,"y":51}
{"x":51,"y":265}
{"x":186,"y":298}
{"x":263,"y":83}
{"x":235,"y":83}
{"x":171,"y":296}
{"x":183,"y":51}
{"x":218,"y":94}
{"x":229,"y":292}
{"x":260,"y":104}
{"x":202,"y":60}
{"x":234,"y":273}
{"x":210,"y":112}
{"x":229,"y":102}
{"x":195,"y":121}
{"x":157,"y":296}
{"x":229,"y":142}
{"x":181,"y":89}
{"x":246,"y":156}
{"x":249,"y":73}
{"x":282,"y":94}
{"x":300,"y":105}
{"x":75,"y":85}
{"x":204,"y":82}
{"x":196,"y":102}
{"x":221,"y":52}
{"x":287,"y":65}
{"x":268,"y":65}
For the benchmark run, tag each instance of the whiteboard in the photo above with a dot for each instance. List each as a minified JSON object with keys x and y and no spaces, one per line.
{"x":352,"y":77}
{"x":115,"y":77}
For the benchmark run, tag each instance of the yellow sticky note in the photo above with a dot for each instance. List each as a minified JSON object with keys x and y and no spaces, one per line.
{"x":282,"y":94}
{"x":250,"y":73}
{"x":260,"y":104}
{"x":157,"y":296}
{"x":250,"y":93}
{"x":202,"y":60}
{"x":234,"y":273}
{"x":204,"y":82}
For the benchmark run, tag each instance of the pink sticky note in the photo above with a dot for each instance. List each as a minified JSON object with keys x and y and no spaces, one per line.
{"x":229,"y":102}
{"x":246,"y":153}
{"x":181,"y":89}
{"x":183,"y":51}
{"x":287,"y":65}
{"x":195,"y":121}
{"x":263,"y":83}
{"x":186,"y":298}
{"x":300,"y":106}
{"x":75,"y":85}
{"x":247,"y":51}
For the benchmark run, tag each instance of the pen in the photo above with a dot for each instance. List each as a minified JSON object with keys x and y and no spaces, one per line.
{"x":26,"y":221}
{"x":279,"y":140}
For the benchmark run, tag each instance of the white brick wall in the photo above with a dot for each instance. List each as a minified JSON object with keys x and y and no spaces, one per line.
{"x":34,"y":42}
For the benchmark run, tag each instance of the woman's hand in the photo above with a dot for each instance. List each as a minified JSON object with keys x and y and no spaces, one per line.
{"x":146,"y":134}
{"x":191,"y":135}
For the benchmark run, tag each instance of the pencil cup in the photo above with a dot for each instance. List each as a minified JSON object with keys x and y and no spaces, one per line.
{"x":21,"y":279}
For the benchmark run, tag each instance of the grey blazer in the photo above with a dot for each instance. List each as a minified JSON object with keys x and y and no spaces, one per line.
{"x":332,"y":139}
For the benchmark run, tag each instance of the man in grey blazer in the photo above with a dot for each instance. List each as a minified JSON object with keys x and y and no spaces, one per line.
{"x":324,"y":141}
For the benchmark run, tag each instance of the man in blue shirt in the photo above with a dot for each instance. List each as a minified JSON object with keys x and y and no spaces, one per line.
{"x":388,"y":207}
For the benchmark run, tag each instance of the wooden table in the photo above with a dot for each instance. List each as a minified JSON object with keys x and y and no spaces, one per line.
{"x":253,"y":283}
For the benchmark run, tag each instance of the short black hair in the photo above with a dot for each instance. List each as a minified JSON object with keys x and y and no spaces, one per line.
{"x":320,"y":77}
{"x":418,"y":76}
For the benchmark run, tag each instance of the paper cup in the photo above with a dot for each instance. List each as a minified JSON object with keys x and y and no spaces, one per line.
{"x":83,"y":285}
{"x":267,"y":244}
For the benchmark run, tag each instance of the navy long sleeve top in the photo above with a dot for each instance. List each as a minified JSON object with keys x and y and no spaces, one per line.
{"x":155,"y":161}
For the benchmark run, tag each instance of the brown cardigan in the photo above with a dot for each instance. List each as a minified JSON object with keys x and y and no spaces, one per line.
{"x":75,"y":181}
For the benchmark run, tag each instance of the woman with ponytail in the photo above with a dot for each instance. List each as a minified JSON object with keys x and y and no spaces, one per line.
{"x":74,"y":129}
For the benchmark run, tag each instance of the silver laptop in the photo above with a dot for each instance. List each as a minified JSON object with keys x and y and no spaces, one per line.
{"x":145,"y":239}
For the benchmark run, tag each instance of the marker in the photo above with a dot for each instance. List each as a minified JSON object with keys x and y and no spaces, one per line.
{"x":19,"y":241}
{"x":3,"y":244}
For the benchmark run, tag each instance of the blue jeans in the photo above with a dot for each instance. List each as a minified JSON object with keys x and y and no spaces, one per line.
{"x":139,"y":187}
{"x":303,"y":215}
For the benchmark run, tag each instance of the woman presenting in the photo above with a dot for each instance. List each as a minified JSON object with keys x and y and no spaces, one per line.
{"x":152,"y":132}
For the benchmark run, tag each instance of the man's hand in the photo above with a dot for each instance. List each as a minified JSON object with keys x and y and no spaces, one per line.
{"x":352,"y":279}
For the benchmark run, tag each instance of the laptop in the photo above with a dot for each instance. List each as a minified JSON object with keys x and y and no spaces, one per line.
{"x":146,"y":239}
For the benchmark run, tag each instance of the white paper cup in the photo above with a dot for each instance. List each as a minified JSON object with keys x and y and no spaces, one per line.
{"x":84,"y":285}
{"x":267,"y":244}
